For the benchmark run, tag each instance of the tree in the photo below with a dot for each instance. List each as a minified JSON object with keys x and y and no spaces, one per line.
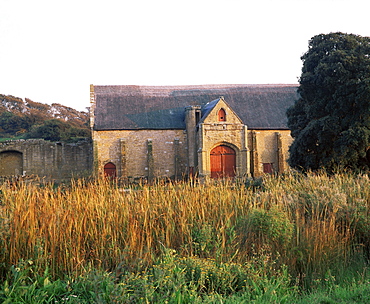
{"x":29,"y":119}
{"x":11,"y":124}
{"x":52,"y":130}
{"x":57,"y":130}
{"x":330,"y":123}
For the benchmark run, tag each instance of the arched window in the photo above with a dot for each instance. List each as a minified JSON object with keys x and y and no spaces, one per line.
{"x":221,"y":115}
{"x":110,"y":170}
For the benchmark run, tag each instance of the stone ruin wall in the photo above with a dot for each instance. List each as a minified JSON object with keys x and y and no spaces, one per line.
{"x":53,"y":161}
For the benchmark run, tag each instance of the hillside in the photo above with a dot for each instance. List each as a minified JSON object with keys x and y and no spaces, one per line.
{"x":29,"y":119}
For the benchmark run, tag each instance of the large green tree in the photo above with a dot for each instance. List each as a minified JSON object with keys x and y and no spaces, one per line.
{"x":330,"y":123}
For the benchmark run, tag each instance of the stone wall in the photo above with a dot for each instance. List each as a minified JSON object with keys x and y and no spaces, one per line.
{"x":50,"y":160}
{"x":142,"y":153}
{"x":269,"y":147}
{"x":163,"y":153}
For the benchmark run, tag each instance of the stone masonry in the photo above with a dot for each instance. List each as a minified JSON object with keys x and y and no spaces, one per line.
{"x":128,"y":151}
{"x":54,"y":161}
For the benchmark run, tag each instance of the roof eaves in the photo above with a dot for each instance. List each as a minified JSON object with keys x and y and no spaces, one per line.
{"x":268,"y":128}
{"x":134,"y":129}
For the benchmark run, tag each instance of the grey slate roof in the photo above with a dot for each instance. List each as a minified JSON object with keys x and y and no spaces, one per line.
{"x":163,"y":107}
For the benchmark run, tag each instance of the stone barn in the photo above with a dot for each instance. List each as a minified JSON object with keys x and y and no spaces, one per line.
{"x":177,"y":131}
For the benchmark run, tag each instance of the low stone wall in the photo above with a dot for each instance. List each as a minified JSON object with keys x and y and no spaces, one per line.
{"x":54,"y":161}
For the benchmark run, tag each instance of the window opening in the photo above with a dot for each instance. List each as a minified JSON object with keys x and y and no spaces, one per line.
{"x":197,"y":117}
{"x":221,"y":115}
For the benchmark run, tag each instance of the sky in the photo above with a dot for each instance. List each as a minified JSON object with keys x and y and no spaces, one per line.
{"x":52,"y":50}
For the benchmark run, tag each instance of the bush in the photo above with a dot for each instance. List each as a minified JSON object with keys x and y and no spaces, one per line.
{"x":57,"y":130}
{"x":263,"y":227}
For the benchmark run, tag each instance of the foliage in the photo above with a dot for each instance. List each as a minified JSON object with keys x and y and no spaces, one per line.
{"x":26,"y":285}
{"x":351,"y":293}
{"x":186,"y":241}
{"x":170,"y":280}
{"x":12,"y":124}
{"x":57,"y":130}
{"x":178,"y":280}
{"x":270,"y":228}
{"x":29,"y":119}
{"x":330,"y":122}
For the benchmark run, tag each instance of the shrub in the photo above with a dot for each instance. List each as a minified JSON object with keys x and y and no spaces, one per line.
{"x":270,"y":228}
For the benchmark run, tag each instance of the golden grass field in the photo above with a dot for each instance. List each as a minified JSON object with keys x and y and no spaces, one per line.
{"x":307,"y":222}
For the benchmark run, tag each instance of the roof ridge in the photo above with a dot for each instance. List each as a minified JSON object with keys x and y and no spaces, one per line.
{"x":201,"y":86}
{"x":164,"y":90}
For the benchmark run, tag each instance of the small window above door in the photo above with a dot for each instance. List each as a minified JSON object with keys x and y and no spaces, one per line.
{"x":221,"y":115}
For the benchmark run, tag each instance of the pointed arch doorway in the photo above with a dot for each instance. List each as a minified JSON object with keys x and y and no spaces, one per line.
{"x":223,"y":162}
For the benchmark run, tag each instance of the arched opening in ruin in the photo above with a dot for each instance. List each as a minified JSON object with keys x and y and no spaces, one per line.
{"x":11,"y":163}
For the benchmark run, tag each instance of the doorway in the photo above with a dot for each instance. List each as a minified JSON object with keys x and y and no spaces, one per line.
{"x":223,"y":162}
{"x":110,"y":170}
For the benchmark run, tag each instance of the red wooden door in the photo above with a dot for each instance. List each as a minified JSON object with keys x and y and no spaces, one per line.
{"x":223,"y":162}
{"x":110,"y":170}
{"x":267,"y":168}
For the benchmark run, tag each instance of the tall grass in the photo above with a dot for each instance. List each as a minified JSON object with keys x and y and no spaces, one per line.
{"x":312,"y":224}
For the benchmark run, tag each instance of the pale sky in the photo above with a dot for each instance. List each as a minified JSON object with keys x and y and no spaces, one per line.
{"x":52,"y":50}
